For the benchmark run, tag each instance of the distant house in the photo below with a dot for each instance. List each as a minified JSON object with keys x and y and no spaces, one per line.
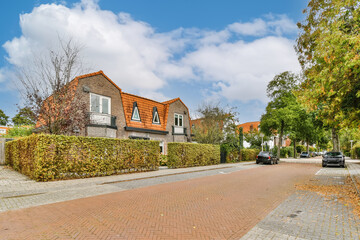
{"x":4,"y":130}
{"x":116,"y":114}
{"x":255,"y":126}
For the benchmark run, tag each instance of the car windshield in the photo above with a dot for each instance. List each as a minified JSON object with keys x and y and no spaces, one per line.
{"x":263,"y":153}
{"x":332,"y":154}
{"x":304,"y":153}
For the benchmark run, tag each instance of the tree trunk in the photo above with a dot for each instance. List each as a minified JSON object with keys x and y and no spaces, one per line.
{"x":307,"y":145}
{"x":295,"y":149}
{"x":335,"y":140}
{"x":280,"y":139}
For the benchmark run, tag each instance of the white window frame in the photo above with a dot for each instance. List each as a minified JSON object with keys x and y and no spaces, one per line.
{"x":158,"y":117}
{"x":178,"y":117}
{"x":100,"y":103}
{"x":136,"y":108}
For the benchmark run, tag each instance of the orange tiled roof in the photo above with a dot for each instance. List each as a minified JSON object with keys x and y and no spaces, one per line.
{"x":145,"y":107}
{"x":246,"y":126}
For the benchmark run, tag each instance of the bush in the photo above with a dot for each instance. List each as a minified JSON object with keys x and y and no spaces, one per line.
{"x":245,"y":155}
{"x":49,"y":157}
{"x":300,"y":148}
{"x":19,"y":131}
{"x":163,"y":160}
{"x":192,"y":154}
{"x":286,"y":152}
{"x":355,"y":153}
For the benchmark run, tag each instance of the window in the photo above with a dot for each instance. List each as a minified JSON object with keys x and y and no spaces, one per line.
{"x":156,"y":118}
{"x":100,"y":104}
{"x":135,"y":114}
{"x":178,"y":120}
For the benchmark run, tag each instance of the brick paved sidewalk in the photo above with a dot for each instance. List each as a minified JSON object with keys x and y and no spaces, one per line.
{"x":222,"y":206}
{"x":308,"y":215}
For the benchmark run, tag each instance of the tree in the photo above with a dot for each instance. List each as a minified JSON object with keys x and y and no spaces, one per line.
{"x":49,"y":92}
{"x":24,"y":117}
{"x":4,"y":119}
{"x":217,"y":125}
{"x":254,"y":138}
{"x":328,"y":52}
{"x":280,"y":111}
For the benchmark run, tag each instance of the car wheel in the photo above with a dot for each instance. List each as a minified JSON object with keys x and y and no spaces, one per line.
{"x":343,"y":166}
{"x":323,"y":165}
{"x":277,"y":161}
{"x":257,"y":162}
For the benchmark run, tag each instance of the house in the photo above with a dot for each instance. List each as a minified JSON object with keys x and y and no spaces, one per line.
{"x":255,"y":126}
{"x":114,"y":113}
{"x":4,"y":130}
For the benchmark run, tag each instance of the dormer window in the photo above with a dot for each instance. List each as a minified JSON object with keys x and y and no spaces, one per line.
{"x":156,"y":118}
{"x":135,"y":113}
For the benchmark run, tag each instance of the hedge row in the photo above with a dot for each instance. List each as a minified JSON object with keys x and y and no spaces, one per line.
{"x":49,"y":157}
{"x":192,"y":154}
{"x":245,"y":155}
{"x":355,"y":153}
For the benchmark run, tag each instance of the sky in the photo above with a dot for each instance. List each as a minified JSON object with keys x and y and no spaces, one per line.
{"x":203,"y":51}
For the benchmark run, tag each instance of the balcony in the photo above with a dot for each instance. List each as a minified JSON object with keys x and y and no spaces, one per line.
{"x":178,"y":130}
{"x":99,"y":119}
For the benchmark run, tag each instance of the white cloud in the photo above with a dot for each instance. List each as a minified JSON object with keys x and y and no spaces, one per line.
{"x":138,"y":58}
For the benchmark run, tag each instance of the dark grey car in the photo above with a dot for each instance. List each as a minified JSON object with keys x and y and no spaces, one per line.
{"x":336,"y":158}
{"x":266,"y":157}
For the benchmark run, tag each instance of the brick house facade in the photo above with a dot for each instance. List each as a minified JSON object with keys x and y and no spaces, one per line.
{"x":116,"y":114}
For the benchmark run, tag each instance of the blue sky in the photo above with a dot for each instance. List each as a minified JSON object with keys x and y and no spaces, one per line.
{"x":200,"y":51}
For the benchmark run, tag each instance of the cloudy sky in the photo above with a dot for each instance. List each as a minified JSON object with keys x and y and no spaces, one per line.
{"x":198,"y":50}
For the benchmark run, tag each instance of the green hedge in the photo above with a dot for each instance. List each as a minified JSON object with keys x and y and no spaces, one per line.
{"x":192,"y":154}
{"x":49,"y":157}
{"x":355,"y":153}
{"x":245,"y":155}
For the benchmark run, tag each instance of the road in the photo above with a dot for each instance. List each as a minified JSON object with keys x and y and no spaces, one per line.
{"x":223,"y":205}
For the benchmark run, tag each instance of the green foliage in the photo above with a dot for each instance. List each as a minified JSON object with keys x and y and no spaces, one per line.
{"x":300,"y":148}
{"x":4,"y":119}
{"x":49,"y":157}
{"x":355,"y":153}
{"x":217,"y":125}
{"x":286,"y":152}
{"x":192,"y":154}
{"x":24,"y":117}
{"x":245,"y":155}
{"x":254,"y":138}
{"x":328,"y":52}
{"x":19,"y":131}
{"x":163,"y":160}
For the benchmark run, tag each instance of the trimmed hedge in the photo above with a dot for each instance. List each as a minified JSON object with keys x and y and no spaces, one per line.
{"x":49,"y":157}
{"x":245,"y":155}
{"x":192,"y":154}
{"x":355,"y":153}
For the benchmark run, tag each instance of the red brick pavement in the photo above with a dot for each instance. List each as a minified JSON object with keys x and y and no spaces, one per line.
{"x":217,"y":207}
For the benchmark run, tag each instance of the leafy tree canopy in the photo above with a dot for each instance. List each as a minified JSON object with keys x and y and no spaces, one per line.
{"x":24,"y":117}
{"x":4,"y":119}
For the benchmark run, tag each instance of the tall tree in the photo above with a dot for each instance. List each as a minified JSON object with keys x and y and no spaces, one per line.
{"x":280,"y":111}
{"x":328,"y":52}
{"x":49,"y":92}
{"x":4,"y":119}
{"x":216,"y":125}
{"x":24,"y":117}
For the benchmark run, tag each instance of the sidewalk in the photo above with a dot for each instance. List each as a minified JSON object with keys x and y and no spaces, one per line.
{"x":18,"y":191}
{"x":309,"y":215}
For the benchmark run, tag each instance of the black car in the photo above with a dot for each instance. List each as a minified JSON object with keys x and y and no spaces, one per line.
{"x":336,"y":158}
{"x":304,"y":155}
{"x":266,"y":157}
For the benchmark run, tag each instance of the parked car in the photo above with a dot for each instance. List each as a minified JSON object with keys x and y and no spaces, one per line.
{"x":336,"y":158}
{"x":266,"y":157}
{"x":304,"y":155}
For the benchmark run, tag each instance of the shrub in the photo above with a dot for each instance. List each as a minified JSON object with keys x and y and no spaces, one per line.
{"x":245,"y":155}
{"x":300,"y":148}
{"x":163,"y":160}
{"x":19,"y":131}
{"x":192,"y":154}
{"x":355,"y":153}
{"x":286,"y":152}
{"x":49,"y":157}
